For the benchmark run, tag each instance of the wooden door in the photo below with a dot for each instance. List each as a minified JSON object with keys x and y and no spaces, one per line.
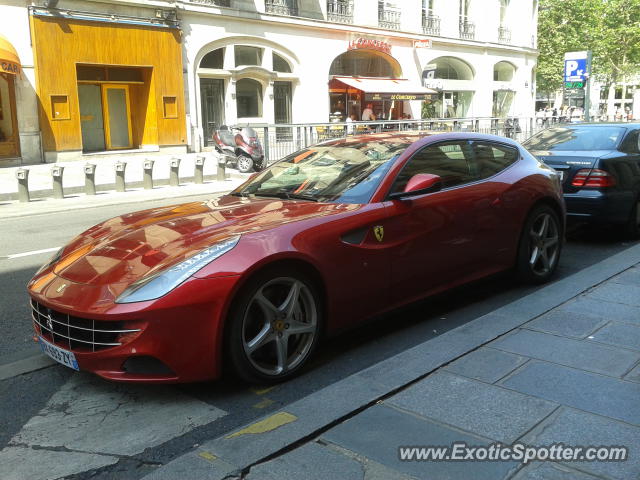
{"x":117,"y":116}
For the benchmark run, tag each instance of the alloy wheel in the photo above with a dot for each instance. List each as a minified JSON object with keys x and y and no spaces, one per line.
{"x":544,"y":244}
{"x":279,"y":326}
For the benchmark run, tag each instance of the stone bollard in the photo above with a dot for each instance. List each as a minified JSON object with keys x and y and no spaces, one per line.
{"x":22,"y":174}
{"x":56,"y":173}
{"x":222,"y":164}
{"x":148,"y":173}
{"x":89,"y":178}
{"x":198,"y":176}
{"x":120,"y":169}
{"x":174,"y":176}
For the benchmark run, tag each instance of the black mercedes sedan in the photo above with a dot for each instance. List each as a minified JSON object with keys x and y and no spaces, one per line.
{"x":600,"y":170}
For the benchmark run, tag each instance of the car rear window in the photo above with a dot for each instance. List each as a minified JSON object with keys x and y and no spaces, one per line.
{"x":576,"y":138}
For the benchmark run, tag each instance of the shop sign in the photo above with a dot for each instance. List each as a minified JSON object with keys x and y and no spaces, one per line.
{"x":374,"y":97}
{"x":426,"y":43}
{"x":9,"y":67}
{"x":434,"y":84}
{"x":357,"y":42}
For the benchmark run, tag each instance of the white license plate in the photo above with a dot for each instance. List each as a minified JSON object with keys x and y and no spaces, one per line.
{"x":60,"y":355}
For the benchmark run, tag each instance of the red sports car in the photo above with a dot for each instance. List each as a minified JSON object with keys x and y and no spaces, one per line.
{"x":320,"y":241}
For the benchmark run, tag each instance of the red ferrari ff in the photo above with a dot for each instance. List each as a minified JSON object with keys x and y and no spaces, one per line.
{"x":320,"y":241}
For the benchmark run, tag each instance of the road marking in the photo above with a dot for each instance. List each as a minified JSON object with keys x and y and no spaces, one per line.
{"x":263,"y":426}
{"x":32,"y":252}
{"x":208,"y":456}
{"x":261,"y":391}
{"x":264,"y":403}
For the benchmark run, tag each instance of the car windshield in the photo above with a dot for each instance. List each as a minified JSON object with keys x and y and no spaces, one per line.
{"x":576,"y":138}
{"x":348,"y":172}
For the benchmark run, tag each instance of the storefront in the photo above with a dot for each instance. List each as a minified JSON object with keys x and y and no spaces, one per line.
{"x":9,"y":69}
{"x":453,"y":79}
{"x":107,"y":85}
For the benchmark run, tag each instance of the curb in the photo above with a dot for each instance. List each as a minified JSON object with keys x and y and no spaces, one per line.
{"x":273,"y":435}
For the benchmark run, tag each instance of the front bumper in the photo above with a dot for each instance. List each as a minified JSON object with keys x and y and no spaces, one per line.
{"x":181,"y":331}
{"x":599,"y":207}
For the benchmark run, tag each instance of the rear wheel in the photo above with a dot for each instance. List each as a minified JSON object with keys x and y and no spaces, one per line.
{"x":540,"y":246}
{"x":245,"y":164}
{"x":633,"y":224}
{"x":274,"y":326}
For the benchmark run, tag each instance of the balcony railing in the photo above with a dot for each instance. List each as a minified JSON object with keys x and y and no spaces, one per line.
{"x":213,"y":3}
{"x":430,"y":24}
{"x":504,"y":35}
{"x":467,"y":29}
{"x":387,"y":18}
{"x":340,"y":11}
{"x":282,"y":7}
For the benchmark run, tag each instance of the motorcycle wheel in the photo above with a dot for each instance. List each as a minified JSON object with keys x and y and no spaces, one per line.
{"x":245,"y":164}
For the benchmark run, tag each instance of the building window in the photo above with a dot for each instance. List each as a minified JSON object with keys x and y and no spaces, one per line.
{"x":170,"y":107}
{"x":248,"y":55}
{"x":388,"y":15}
{"x":450,"y":68}
{"x":60,"y":107}
{"x":430,"y":21}
{"x":362,"y":63}
{"x":467,"y":27}
{"x":340,"y":11}
{"x":282,"y":7}
{"x":212,"y":102}
{"x":213,"y":59}
{"x":280,"y":64}
{"x":503,"y":72}
{"x":248,"y":98}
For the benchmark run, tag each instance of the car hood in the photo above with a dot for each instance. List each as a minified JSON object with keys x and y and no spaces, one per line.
{"x":123,"y":249}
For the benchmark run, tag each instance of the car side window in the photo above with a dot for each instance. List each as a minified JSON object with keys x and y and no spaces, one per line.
{"x":492,"y":158}
{"x":451,"y":161}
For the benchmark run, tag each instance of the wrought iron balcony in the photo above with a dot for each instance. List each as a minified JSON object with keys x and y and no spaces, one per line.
{"x":504,"y":35}
{"x":430,"y":24}
{"x":340,"y":11}
{"x":467,"y":29}
{"x":387,"y":18}
{"x":282,"y":7}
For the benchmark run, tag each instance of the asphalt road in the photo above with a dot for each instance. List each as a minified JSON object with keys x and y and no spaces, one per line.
{"x":223,"y":405}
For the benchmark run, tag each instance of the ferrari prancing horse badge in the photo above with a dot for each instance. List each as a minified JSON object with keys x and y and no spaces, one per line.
{"x":378,"y":231}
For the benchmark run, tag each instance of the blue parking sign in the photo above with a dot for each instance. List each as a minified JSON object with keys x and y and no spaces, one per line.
{"x":575,"y":70}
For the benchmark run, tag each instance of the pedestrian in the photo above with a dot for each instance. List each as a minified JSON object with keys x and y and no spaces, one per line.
{"x":350,"y":126}
{"x":555,"y":115}
{"x":367,"y":113}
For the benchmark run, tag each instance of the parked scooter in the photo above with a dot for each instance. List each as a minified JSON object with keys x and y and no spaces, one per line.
{"x":242,"y":145}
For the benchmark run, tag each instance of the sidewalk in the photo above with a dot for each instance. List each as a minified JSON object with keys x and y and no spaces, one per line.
{"x":560,"y":365}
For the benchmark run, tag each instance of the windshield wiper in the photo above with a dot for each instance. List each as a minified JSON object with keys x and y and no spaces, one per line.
{"x":287,"y":196}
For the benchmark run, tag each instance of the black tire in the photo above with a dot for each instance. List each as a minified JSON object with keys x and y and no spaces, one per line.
{"x":532,"y":265}
{"x":632,"y":228}
{"x":244,"y":324}
{"x":245,"y":164}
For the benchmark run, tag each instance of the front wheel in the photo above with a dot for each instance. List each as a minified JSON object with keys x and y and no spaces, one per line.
{"x":540,"y":246}
{"x":245,"y":164}
{"x":273,"y":327}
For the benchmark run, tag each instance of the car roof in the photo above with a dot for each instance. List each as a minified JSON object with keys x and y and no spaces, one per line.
{"x":412,"y":136}
{"x":599,"y":124}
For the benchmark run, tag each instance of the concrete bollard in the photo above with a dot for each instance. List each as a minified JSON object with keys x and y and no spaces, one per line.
{"x":22,"y":174}
{"x":174,"y":176}
{"x":222,"y":164}
{"x":56,"y":174}
{"x":120,"y":169}
{"x":89,"y":178}
{"x":148,"y":174}
{"x":198,"y":176}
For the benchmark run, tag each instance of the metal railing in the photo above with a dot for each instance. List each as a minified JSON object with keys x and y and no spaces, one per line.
{"x":388,"y":18}
{"x":281,"y":140}
{"x":282,"y":7}
{"x":467,"y":29}
{"x":430,"y":24}
{"x":340,"y":11}
{"x":504,"y":35}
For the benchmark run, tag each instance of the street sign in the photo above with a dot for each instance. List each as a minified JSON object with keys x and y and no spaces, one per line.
{"x":573,"y":85}
{"x":575,"y":67}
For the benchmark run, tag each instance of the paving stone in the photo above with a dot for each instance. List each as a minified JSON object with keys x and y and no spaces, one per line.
{"x":618,"y":293}
{"x":587,"y":391}
{"x":486,"y":364}
{"x":476,"y":407}
{"x":573,"y":427}
{"x":606,"y":310}
{"x":630,"y":277}
{"x":377,"y":432}
{"x":566,"y":323}
{"x":551,"y":471}
{"x":619,"y":334}
{"x":565,"y":351}
{"x":195,"y":465}
{"x":633,"y":375}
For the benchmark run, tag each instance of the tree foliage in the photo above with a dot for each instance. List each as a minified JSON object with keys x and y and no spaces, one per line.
{"x":609,"y":28}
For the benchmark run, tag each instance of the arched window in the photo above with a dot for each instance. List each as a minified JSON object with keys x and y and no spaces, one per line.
{"x":365,"y":63}
{"x":451,"y":68}
{"x":503,"y":72}
{"x":248,"y":98}
{"x":213,"y":59}
{"x":280,"y":64}
{"x":245,"y":55}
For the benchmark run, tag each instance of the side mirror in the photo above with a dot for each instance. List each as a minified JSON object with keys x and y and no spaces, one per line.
{"x":419,"y":184}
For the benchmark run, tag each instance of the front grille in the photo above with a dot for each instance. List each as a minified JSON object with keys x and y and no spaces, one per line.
{"x":74,"y":333}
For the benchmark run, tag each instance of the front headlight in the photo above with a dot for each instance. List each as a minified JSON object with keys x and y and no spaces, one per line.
{"x":52,"y":261}
{"x":159,"y":284}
